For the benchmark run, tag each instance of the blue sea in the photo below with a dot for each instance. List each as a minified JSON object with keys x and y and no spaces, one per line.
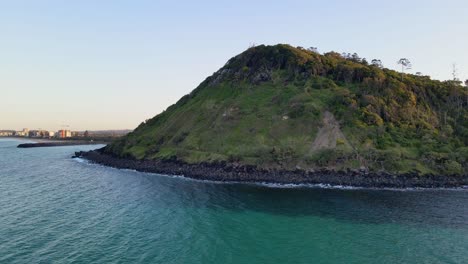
{"x":54,"y":209}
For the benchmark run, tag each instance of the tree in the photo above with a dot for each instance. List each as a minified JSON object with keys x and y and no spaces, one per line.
{"x":455,"y":72}
{"x":405,"y":65}
{"x":355,"y":57}
{"x":419,"y":74}
{"x":313,"y":49}
{"x":377,"y":63}
{"x":466,"y":84}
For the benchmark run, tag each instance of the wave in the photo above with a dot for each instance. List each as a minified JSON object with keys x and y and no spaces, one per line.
{"x":80,"y":160}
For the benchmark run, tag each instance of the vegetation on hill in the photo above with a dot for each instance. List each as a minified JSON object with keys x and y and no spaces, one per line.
{"x":290,"y":108}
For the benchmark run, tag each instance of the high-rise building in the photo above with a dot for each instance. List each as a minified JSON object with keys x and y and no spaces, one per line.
{"x":64,"y":133}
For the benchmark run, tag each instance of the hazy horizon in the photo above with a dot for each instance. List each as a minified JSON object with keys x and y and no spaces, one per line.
{"x":111,"y":65}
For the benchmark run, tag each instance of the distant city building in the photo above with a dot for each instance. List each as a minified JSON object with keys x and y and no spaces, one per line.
{"x":35,"y":133}
{"x":7,"y":133}
{"x":64,"y":134}
{"x":39,"y":133}
{"x":22,"y":133}
{"x":77,"y":134}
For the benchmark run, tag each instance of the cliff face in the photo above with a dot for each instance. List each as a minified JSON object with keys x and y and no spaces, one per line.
{"x":287,"y":108}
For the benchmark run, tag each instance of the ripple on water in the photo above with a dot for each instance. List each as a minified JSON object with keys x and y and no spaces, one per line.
{"x":57,"y":209}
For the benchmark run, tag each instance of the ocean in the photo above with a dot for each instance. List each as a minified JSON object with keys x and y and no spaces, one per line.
{"x":54,"y":209}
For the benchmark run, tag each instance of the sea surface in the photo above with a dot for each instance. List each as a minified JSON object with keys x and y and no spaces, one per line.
{"x":54,"y":209}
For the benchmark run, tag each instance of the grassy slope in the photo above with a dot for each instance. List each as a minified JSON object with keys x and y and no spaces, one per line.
{"x":265,"y":106}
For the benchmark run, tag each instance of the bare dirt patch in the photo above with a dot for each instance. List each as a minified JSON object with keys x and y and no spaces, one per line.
{"x":329,"y":135}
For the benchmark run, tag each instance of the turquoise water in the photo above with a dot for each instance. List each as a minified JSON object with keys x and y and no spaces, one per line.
{"x":57,"y":209}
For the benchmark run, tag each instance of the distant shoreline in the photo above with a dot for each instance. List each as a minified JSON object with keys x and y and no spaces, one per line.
{"x":225,"y":172}
{"x":40,"y":139}
{"x":53,"y":142}
{"x":59,"y":144}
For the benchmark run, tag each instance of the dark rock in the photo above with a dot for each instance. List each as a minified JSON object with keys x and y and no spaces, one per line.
{"x":222,"y":171}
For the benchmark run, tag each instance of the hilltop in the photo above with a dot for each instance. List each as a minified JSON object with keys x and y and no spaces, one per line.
{"x":289,"y":109}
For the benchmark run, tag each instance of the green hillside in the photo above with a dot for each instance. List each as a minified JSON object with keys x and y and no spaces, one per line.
{"x":285,"y":107}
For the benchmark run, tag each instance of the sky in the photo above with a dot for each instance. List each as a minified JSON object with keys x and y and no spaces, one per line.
{"x":112,"y":64}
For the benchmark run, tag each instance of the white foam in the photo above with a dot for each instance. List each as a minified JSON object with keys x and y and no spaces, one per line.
{"x":308,"y":185}
{"x":80,"y":160}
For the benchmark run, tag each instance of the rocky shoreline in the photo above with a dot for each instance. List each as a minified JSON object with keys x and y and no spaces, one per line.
{"x":222,"y":171}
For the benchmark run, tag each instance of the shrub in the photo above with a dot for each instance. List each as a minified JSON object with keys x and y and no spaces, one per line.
{"x":452,"y":167}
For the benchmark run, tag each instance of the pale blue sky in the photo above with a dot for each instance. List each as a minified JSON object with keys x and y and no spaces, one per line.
{"x":112,"y":64}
